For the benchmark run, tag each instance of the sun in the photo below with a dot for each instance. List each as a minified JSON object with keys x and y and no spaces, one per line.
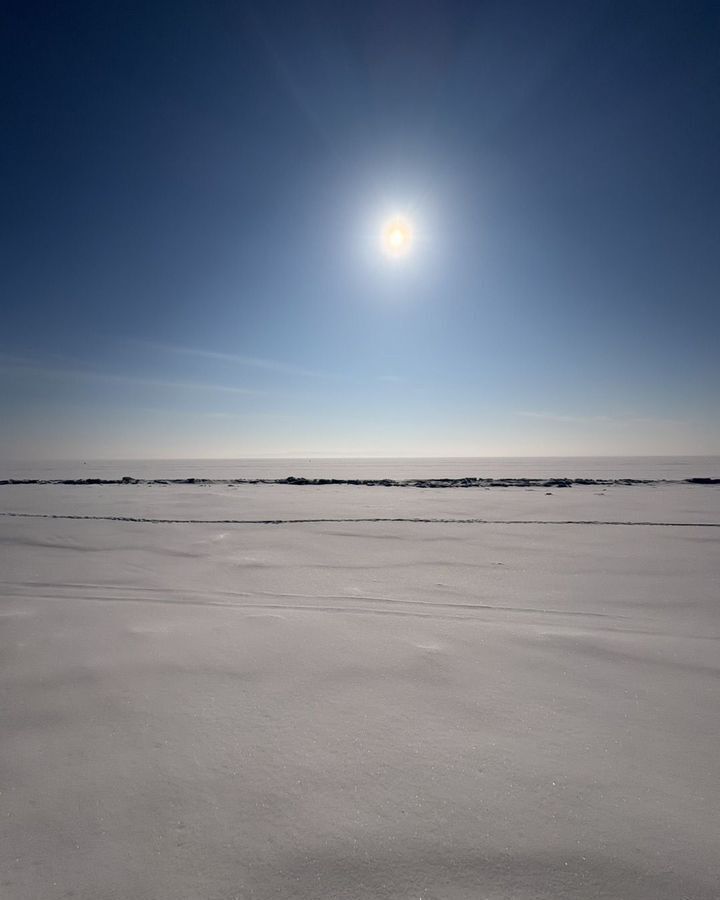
{"x":397,"y":237}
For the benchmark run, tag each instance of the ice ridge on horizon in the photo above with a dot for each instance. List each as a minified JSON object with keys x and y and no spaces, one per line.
{"x":465,"y":482}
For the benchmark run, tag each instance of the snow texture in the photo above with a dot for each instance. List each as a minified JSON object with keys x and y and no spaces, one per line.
{"x":346,"y":710}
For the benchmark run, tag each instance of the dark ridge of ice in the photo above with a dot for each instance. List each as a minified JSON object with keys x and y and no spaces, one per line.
{"x":468,"y":482}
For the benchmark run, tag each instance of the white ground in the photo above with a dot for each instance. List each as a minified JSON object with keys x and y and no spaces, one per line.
{"x":360,"y":710}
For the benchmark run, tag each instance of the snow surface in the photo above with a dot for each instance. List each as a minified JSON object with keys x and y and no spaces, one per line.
{"x":374,"y":709}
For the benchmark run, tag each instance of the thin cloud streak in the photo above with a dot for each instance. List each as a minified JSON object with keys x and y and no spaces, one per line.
{"x":269,"y":365}
{"x":16,"y":365}
{"x":600,"y":420}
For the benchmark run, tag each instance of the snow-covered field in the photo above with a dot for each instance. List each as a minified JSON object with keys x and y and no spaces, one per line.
{"x":446,"y":710}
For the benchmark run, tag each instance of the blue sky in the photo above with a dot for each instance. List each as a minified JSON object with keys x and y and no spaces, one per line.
{"x":193,"y":193}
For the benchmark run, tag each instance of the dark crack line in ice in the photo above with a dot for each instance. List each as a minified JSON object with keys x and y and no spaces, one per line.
{"x":465,"y":482}
{"x":358,"y":520}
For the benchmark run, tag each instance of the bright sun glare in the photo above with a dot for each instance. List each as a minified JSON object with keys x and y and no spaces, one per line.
{"x":397,"y":237}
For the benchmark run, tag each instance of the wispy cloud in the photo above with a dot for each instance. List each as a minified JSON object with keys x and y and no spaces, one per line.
{"x":559,"y":417}
{"x":241,"y":359}
{"x":601,"y":420}
{"x":11,"y":360}
{"x":13,"y":365}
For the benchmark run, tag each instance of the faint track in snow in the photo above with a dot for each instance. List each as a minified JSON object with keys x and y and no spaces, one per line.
{"x":240,"y":599}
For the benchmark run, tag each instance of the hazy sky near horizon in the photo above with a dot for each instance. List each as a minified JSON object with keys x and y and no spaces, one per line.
{"x":193,"y":194}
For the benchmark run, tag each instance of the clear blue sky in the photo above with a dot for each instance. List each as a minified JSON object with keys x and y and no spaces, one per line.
{"x":192,"y":194}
